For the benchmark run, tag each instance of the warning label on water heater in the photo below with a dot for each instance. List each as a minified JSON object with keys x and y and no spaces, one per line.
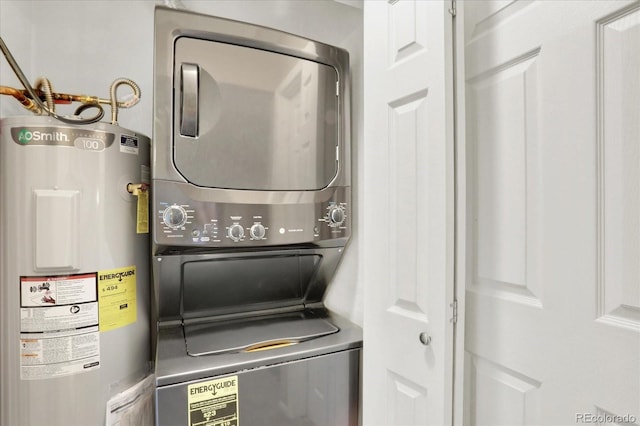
{"x":59,"y":332}
{"x":214,"y":403}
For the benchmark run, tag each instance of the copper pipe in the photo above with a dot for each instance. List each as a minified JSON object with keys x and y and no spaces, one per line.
{"x":22,"y":98}
{"x":66,"y":98}
{"x":35,"y":98}
{"x":52,"y":98}
{"x":32,"y":97}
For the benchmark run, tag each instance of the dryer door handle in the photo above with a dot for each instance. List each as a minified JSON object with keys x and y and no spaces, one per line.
{"x":189,"y":99}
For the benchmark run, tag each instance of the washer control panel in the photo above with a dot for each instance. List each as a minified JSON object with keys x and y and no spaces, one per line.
{"x":182,"y":222}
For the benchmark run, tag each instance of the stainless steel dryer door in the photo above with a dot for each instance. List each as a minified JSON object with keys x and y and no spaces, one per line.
{"x":251,"y":119}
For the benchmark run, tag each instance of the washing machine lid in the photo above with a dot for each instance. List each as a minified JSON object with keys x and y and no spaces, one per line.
{"x":254,"y":334}
{"x":246,"y":283}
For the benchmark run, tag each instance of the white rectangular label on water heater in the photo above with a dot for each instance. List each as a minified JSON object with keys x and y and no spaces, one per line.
{"x":59,"y":332}
{"x":129,"y":144}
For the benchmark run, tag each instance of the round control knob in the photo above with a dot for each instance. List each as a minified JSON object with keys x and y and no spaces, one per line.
{"x":236,"y":232}
{"x":257,"y":231}
{"x":336,"y":216}
{"x":174,"y":216}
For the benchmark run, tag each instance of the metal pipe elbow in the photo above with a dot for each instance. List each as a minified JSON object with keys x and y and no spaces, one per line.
{"x":114,"y":100}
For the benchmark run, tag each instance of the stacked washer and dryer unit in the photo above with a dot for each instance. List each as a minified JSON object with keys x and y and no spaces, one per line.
{"x":251,"y":211}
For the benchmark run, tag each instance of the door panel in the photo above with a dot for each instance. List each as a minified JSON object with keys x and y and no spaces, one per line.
{"x":499,"y":396}
{"x":552,"y":318}
{"x":619,"y":177}
{"x":504,"y":98}
{"x":409,"y":203}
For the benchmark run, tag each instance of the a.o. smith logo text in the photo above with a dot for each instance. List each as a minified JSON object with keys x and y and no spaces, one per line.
{"x":25,"y":136}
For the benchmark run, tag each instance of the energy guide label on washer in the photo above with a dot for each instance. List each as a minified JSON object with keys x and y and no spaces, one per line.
{"x":214,"y":402}
{"x":59,"y":334}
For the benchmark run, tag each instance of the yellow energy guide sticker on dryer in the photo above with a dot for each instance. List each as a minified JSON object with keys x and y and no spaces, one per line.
{"x":214,"y":402}
{"x":117,"y":297}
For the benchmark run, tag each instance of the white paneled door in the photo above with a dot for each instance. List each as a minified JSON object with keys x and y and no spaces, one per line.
{"x":408,"y":229}
{"x":553,"y":208}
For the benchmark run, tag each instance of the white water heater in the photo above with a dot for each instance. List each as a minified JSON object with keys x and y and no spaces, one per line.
{"x":74,"y":275}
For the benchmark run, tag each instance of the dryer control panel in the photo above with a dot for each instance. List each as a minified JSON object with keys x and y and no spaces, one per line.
{"x":182,"y":221}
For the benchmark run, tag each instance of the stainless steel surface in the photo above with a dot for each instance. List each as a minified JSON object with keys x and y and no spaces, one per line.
{"x":245,"y":281}
{"x":318,"y":391}
{"x":268,"y":121}
{"x":291,"y":166}
{"x":253,"y":333}
{"x":189,"y":101}
{"x":172,"y":25}
{"x":174,"y":365}
{"x":182,"y":219}
{"x":251,"y":211}
{"x":315,"y":382}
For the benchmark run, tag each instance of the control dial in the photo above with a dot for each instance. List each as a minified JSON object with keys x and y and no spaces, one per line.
{"x":257,"y":231}
{"x":336,"y":216}
{"x":174,"y":216}
{"x":236,"y":232}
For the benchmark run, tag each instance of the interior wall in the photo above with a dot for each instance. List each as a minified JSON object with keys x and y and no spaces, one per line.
{"x":17,"y":34}
{"x":82,"y":46}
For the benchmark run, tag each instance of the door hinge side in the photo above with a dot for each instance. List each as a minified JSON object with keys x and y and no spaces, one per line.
{"x":454,"y":312}
{"x":452,"y":9}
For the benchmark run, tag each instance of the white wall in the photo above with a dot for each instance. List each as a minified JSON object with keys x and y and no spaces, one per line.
{"x":18,"y":36}
{"x":82,"y":46}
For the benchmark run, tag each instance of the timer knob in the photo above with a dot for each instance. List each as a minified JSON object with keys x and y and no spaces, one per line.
{"x":174,"y":216}
{"x":236,"y":232}
{"x":257,"y":231}
{"x":336,"y":216}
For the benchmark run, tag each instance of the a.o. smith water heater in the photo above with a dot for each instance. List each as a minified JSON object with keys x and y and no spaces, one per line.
{"x":74,"y":294}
